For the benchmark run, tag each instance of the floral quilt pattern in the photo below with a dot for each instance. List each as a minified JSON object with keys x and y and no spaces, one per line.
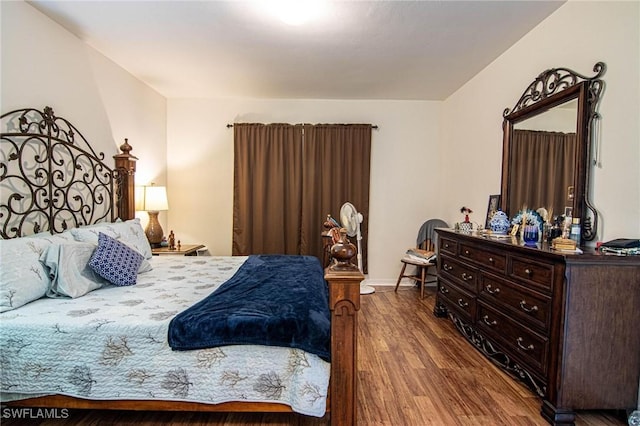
{"x":112,"y":344}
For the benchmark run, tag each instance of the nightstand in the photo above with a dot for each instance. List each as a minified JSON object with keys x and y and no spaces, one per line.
{"x":185,"y":250}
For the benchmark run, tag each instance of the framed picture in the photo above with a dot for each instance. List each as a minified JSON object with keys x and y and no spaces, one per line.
{"x":494,"y":204}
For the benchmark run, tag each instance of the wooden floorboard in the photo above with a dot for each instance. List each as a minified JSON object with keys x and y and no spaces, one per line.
{"x":413,"y":369}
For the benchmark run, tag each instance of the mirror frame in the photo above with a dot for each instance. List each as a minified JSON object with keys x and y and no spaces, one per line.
{"x":554,"y":87}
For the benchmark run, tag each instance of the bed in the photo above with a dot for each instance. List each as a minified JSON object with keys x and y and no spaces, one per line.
{"x":61,"y":200}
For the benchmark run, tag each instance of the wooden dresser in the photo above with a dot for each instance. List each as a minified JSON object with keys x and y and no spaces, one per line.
{"x":566,"y":325}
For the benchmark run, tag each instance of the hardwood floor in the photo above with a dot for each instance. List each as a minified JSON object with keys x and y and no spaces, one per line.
{"x":414,"y":370}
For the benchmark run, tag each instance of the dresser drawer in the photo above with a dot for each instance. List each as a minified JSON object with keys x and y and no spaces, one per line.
{"x":460,"y":273}
{"x":492,"y":260}
{"x":448,"y":245}
{"x":533,"y":272}
{"x":457,"y":299}
{"x":533,"y":308}
{"x":527,"y":345}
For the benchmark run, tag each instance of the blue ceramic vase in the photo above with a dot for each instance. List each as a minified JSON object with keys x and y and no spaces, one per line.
{"x":499,"y":223}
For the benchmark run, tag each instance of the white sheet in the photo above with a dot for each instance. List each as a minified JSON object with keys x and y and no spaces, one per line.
{"x":112,"y":344}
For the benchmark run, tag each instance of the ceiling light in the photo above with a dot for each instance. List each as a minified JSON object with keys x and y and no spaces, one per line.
{"x":295,"y":12}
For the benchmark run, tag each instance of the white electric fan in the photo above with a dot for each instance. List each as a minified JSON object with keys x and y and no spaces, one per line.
{"x":351,"y":221}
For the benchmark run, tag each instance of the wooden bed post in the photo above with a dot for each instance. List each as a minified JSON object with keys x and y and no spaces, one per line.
{"x":125,"y":167}
{"x":344,"y":302}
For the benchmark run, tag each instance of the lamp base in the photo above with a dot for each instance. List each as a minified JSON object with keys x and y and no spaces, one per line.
{"x":153,"y":231}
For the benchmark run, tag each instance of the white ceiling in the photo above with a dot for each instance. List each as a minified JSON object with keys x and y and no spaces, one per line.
{"x":353,"y":50}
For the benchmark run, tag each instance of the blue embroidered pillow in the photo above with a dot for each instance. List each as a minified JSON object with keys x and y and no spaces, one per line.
{"x":115,"y":261}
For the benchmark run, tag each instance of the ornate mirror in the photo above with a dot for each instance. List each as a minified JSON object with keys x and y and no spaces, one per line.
{"x":547,"y":146}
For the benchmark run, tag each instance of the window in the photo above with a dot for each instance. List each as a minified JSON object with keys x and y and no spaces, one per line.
{"x":287,"y":178}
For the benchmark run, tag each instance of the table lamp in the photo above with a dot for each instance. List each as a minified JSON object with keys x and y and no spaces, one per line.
{"x":154,"y":200}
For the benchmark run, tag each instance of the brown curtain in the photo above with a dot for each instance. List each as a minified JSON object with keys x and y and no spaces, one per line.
{"x":542,"y":163}
{"x":309,"y":176}
{"x":337,"y":170}
{"x":267,"y":192}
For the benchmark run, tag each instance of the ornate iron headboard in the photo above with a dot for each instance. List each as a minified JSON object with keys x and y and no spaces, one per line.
{"x":51,"y":179}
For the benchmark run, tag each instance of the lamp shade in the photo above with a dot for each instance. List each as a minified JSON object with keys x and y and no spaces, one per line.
{"x":154,"y":198}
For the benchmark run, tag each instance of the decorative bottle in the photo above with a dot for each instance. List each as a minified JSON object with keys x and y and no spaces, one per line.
{"x":566,"y":227}
{"x":555,"y":231}
{"x":575,"y":230}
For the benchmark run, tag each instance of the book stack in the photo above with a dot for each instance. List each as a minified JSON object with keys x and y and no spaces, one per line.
{"x":622,"y":247}
{"x":621,"y":251}
{"x":563,"y":244}
{"x":419,"y":255}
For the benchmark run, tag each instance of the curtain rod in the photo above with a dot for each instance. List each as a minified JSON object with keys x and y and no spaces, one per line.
{"x":373,"y":126}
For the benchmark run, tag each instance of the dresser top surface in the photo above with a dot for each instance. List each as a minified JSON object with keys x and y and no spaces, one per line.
{"x":514,"y":244}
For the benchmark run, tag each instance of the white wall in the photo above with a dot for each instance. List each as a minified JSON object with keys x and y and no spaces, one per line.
{"x":576,"y":36}
{"x":404,"y":167}
{"x":45,"y":65}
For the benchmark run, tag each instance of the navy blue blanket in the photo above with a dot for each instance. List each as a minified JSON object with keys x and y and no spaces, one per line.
{"x":273,"y":300}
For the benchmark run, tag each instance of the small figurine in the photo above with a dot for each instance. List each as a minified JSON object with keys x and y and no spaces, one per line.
{"x":178,"y":245}
{"x":172,"y":241}
{"x":466,"y":211}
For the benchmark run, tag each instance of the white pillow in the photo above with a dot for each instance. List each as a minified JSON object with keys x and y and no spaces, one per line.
{"x":69,"y":271}
{"x":129,"y":232}
{"x":63,"y":237}
{"x":23,"y":278}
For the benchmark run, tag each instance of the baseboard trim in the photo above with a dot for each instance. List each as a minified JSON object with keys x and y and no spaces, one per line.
{"x":404,"y":283}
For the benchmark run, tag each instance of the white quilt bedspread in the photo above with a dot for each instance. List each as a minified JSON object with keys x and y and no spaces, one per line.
{"x":112,"y":344}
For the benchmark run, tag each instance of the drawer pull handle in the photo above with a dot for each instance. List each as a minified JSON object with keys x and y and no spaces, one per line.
{"x":491,"y":290}
{"x":446,"y":245}
{"x":523,"y":305}
{"x":528,"y":271}
{"x":491,"y":260}
{"x":485,"y":319}
{"x":444,"y":290}
{"x":466,"y":277}
{"x":519,"y":341}
{"x":462,"y":303}
{"x":446,"y":267}
{"x":466,"y":252}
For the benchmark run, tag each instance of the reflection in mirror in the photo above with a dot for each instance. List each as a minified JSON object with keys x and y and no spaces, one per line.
{"x":543,"y":153}
{"x":547,"y":146}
